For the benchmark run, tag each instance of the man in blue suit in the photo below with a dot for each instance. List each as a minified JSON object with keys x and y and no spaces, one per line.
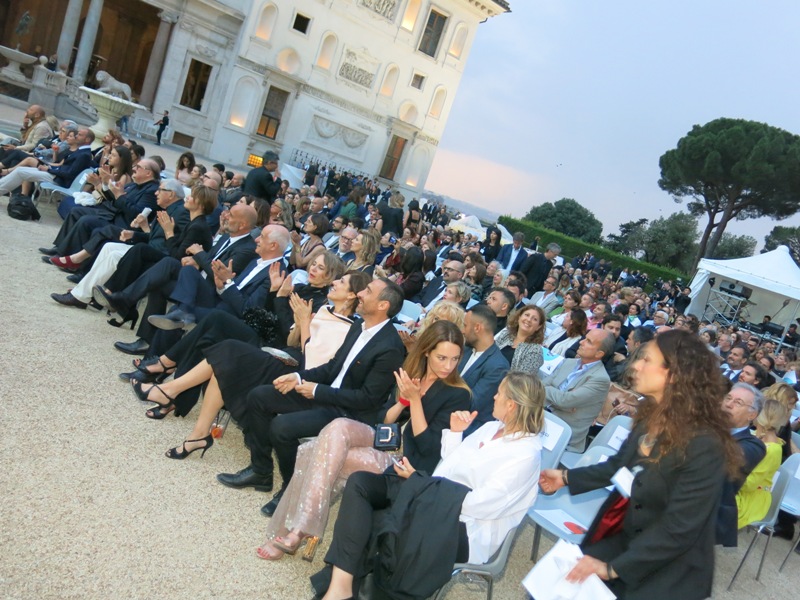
{"x":511,"y":256}
{"x":483,"y":366}
{"x":234,"y":293}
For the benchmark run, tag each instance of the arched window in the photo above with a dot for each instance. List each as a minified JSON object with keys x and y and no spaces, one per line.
{"x":245,"y":93}
{"x":416,"y":170}
{"x":390,"y":81}
{"x":408,"y":113}
{"x":266,"y":22}
{"x":411,"y":14}
{"x":459,"y":40}
{"x":326,"y":51}
{"x":437,"y":104}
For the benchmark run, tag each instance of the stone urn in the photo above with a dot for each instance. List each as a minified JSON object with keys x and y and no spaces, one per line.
{"x":16,"y":60}
{"x":110,"y":109}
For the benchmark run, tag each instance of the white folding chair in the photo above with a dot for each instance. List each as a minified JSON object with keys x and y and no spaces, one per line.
{"x":488,"y":571}
{"x":581,"y":508}
{"x":791,"y":498}
{"x":411,"y":311}
{"x":796,"y":439}
{"x":555,"y":438}
{"x":76,"y":186}
{"x":784,"y":475}
{"x":472,"y":302}
{"x":611,"y":435}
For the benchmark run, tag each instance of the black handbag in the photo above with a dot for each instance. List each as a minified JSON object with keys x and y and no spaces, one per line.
{"x":387,"y":437}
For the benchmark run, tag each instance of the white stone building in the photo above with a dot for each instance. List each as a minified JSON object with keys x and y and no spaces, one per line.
{"x":365,"y":85}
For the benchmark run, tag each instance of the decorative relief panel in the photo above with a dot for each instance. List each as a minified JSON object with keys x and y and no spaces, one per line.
{"x":358,"y":67}
{"x":336,"y":137}
{"x":385,"y":8}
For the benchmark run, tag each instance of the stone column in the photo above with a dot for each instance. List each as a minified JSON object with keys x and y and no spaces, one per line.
{"x":69,"y":30}
{"x":86,"y":46}
{"x":156,"y":63}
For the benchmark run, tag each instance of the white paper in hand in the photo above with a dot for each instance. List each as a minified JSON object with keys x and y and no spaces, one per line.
{"x":546,"y":581}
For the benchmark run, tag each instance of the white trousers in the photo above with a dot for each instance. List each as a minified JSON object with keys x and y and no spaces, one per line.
{"x":18,"y":176}
{"x":103,"y":268}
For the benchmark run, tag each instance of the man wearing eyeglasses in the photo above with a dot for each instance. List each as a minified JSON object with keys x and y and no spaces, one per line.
{"x":452,"y":272}
{"x":120,"y":206}
{"x":742,"y":405}
{"x":331,"y":238}
{"x":346,"y":242}
{"x":264,"y":181}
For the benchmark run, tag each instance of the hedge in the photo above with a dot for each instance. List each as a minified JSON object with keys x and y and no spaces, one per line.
{"x":571,"y":247}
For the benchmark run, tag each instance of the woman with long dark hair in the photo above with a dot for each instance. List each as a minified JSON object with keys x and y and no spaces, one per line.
{"x":659,"y":542}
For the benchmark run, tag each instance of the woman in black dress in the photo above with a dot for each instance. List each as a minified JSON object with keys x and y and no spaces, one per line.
{"x":221,"y":325}
{"x":233,"y":368}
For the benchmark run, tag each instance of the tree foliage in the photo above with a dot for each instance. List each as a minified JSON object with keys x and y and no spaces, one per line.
{"x":672,"y":241}
{"x":784,"y":236}
{"x":631,"y":238}
{"x":734,"y":246}
{"x":733,"y":169}
{"x":568,"y":217}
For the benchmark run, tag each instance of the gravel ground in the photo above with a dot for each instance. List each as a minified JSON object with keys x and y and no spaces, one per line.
{"x":93,"y":510}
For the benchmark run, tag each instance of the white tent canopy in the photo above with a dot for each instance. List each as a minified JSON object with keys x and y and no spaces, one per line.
{"x":773,"y":276}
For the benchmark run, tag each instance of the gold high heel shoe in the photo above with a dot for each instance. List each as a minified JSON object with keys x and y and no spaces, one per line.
{"x":310,"y":541}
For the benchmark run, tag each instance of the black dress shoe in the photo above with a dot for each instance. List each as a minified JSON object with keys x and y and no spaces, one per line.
{"x":68,"y":300}
{"x":137,"y":348}
{"x":784,"y":532}
{"x":177,"y":319}
{"x":111,"y":300}
{"x":52,"y":251}
{"x":75,"y":277}
{"x":270,"y":507}
{"x":246,"y":478}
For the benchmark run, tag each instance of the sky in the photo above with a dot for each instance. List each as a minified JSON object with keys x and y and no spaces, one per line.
{"x":579,"y":99}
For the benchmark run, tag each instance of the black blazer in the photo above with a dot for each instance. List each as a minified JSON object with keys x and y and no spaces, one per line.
{"x":483,"y":378}
{"x":241,"y":252}
{"x":368,"y":380}
{"x":666,"y":547}
{"x":253,"y":295}
{"x":429,"y":292}
{"x":197,"y":232}
{"x":424,"y":451}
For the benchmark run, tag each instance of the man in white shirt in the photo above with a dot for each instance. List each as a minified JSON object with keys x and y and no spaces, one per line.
{"x":355,"y":383}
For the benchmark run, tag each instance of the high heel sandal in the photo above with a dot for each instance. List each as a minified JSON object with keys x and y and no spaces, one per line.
{"x":182,"y":453}
{"x":157,"y":412}
{"x":131,"y":317}
{"x":146,"y":376}
{"x":311,"y":542}
{"x":269,"y":551}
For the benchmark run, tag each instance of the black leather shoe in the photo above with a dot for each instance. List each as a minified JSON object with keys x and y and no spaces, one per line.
{"x":784,"y":532}
{"x":270,"y":507}
{"x":111,"y":300}
{"x":246,"y":478}
{"x":52,"y":251}
{"x":68,"y":300}
{"x":137,"y":348}
{"x":75,"y":277}
{"x":177,"y":319}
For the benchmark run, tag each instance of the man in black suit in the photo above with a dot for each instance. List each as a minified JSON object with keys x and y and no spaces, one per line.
{"x":265,"y":181}
{"x":236,"y":245}
{"x":355,"y":383}
{"x":77,"y":160}
{"x":452,"y":272}
{"x":483,"y":366}
{"x":538,"y":266}
{"x":120,"y":207}
{"x":511,"y":256}
{"x":742,"y":404}
{"x":232,"y":292}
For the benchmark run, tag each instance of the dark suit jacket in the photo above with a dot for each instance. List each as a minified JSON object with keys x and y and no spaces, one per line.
{"x":429,"y":292}
{"x":505,"y":255}
{"x":136,"y":198}
{"x":754,"y":451}
{"x":368,"y":380}
{"x":666,"y":547}
{"x":196,"y":232}
{"x":241,"y":252}
{"x":75,"y":163}
{"x":536,"y":268}
{"x":178,"y":213}
{"x":253,"y":295}
{"x":483,"y":378}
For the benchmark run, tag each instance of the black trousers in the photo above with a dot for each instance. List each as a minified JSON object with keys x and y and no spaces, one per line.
{"x":135,"y":262}
{"x":160,"y":275}
{"x":279,"y":421}
{"x":189,"y":350}
{"x":80,"y":224}
{"x":364,"y":494}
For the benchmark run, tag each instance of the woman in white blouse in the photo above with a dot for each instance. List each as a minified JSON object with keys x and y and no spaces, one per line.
{"x":499,"y":463}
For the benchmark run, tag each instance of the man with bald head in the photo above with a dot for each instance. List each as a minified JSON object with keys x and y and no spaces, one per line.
{"x":236,"y":246}
{"x":120,"y":206}
{"x":578,"y":387}
{"x":35,"y":128}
